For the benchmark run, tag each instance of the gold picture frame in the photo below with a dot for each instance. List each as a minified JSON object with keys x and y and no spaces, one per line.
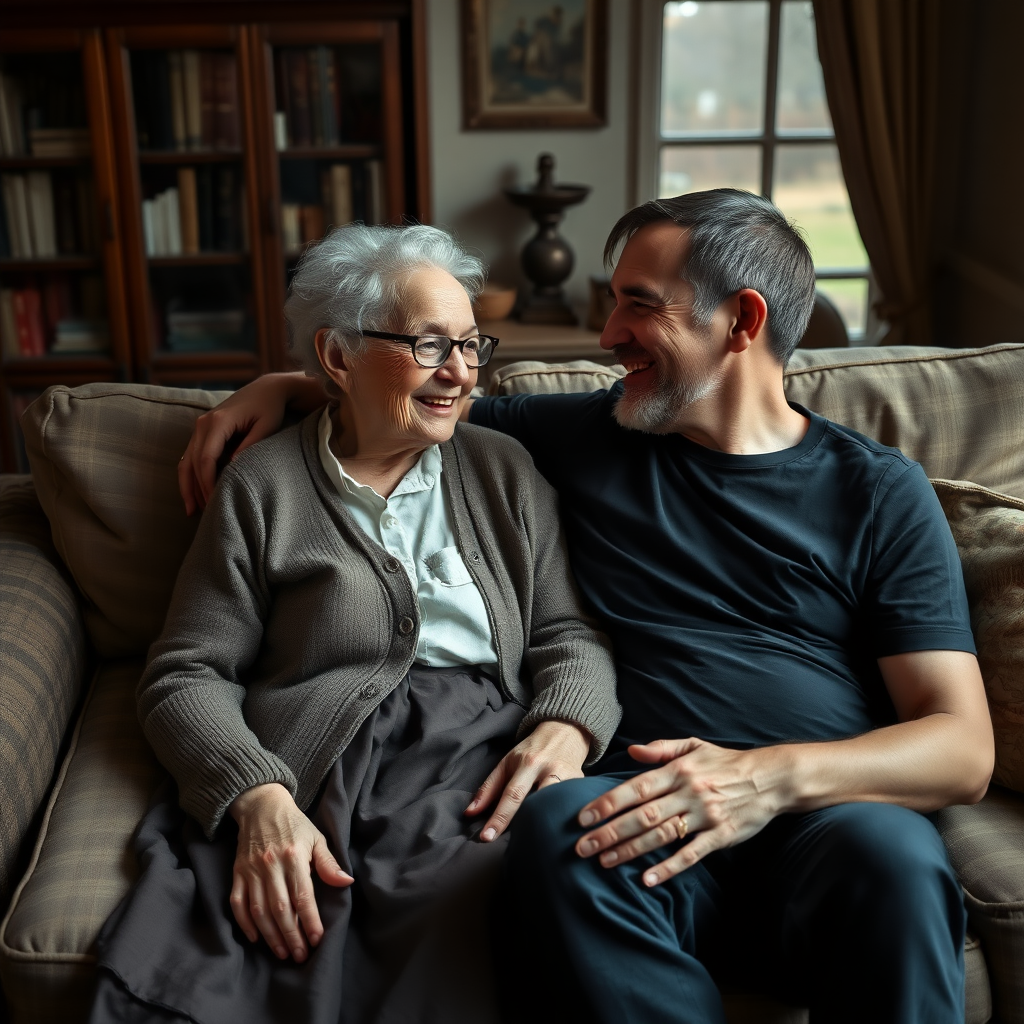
{"x":534,"y":64}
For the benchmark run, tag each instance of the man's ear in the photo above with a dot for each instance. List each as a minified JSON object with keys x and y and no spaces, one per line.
{"x":750,"y":313}
{"x":332,"y":359}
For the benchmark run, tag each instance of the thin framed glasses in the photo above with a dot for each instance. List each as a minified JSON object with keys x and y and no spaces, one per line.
{"x":431,"y":350}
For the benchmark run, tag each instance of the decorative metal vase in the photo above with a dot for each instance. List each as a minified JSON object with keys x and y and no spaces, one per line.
{"x":547,"y":258}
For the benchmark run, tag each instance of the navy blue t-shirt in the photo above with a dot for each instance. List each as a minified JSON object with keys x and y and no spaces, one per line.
{"x":747,"y":596}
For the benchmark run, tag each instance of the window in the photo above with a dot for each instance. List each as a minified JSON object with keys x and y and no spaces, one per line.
{"x":738,"y":100}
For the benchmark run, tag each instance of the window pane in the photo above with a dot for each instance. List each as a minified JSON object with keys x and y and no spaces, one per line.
{"x":851,"y":299}
{"x":695,"y":168}
{"x":713,"y":67}
{"x":801,"y":103}
{"x":809,"y":188}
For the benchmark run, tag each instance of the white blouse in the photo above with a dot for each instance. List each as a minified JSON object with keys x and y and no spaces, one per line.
{"x":415,"y":526}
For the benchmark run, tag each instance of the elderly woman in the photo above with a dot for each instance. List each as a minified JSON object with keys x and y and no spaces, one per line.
{"x":376,"y":606}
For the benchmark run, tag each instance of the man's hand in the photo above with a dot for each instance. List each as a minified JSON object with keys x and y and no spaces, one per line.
{"x":712,"y":789}
{"x":256,"y":411}
{"x":553,"y":752}
{"x":272,"y":889}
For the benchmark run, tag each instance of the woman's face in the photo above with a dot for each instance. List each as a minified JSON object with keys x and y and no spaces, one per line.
{"x":393,"y":402}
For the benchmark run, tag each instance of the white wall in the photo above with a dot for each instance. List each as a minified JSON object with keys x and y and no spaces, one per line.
{"x":469,"y":169}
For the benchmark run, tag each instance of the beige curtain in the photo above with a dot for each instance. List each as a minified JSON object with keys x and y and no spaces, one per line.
{"x":880,"y":59}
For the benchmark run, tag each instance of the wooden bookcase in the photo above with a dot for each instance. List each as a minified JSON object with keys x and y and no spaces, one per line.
{"x":206,"y":145}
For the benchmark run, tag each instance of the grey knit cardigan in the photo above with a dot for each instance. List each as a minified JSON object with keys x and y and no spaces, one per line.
{"x":288,"y":625}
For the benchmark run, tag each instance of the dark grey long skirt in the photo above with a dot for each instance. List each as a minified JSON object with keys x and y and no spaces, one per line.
{"x":406,"y":944}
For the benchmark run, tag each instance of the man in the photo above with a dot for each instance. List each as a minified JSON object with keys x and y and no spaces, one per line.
{"x":795,"y":661}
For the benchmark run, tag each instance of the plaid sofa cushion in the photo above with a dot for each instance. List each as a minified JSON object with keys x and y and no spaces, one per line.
{"x":989,"y":533}
{"x":104,"y":460}
{"x":986,"y":847}
{"x":929,"y":402}
{"x":42,"y":659}
{"x":83,"y":862}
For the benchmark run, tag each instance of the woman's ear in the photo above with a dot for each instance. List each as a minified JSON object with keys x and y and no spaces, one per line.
{"x":332,"y":358}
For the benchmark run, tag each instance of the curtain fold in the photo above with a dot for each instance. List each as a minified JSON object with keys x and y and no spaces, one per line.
{"x":880,"y":60}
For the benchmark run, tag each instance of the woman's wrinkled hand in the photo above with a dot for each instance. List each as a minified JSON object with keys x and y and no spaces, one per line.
{"x":272,"y":887}
{"x":256,"y":411}
{"x":553,"y":752}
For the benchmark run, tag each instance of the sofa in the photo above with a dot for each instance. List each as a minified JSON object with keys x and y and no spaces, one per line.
{"x":90,"y":544}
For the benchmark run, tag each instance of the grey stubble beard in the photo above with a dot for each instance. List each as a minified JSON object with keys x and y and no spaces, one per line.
{"x":658,"y":412}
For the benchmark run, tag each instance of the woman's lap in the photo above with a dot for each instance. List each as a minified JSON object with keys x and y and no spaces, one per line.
{"x":408,"y":936}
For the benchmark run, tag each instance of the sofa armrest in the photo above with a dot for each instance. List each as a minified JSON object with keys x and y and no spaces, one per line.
{"x":986,"y":848}
{"x":42,"y":664}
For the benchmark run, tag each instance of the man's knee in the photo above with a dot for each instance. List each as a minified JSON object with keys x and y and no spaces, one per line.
{"x":890,"y":857}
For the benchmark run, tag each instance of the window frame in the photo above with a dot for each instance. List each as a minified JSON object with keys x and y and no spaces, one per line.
{"x":651,"y":141}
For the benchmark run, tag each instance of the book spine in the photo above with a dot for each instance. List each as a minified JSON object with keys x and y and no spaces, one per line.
{"x":44,"y":235}
{"x":224,"y":210}
{"x":291,"y":229}
{"x":332,"y":100}
{"x":227,"y":101}
{"x":10,"y":110}
{"x":160,"y":224}
{"x":6,"y":136}
{"x":204,"y":203}
{"x":283,"y":105}
{"x":34,"y":305}
{"x":374,"y":192}
{"x":66,"y":216}
{"x":208,"y":98}
{"x":341,"y":194}
{"x":189,"y":205}
{"x":8,"y":325}
{"x":299,"y":65}
{"x":148,"y":229}
{"x":173,"y":212}
{"x":316,"y":106}
{"x":18,"y":215}
{"x":177,"y":84}
{"x":141,"y":100}
{"x":311,"y":219}
{"x":193,"y":102}
{"x":5,"y":238}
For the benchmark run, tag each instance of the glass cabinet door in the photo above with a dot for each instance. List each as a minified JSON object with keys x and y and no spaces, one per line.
{"x":62,"y":312}
{"x":330,"y":111}
{"x":185,"y":111}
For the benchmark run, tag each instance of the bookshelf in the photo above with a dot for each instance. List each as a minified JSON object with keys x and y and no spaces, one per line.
{"x":162,"y":167}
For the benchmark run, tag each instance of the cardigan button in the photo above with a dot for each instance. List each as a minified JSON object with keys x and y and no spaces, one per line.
{"x":392,"y":565}
{"x":406,"y":625}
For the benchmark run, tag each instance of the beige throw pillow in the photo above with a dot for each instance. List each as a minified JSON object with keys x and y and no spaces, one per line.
{"x":989,"y":531}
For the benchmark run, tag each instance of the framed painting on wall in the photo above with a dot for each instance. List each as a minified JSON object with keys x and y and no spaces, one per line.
{"x":534,"y":64}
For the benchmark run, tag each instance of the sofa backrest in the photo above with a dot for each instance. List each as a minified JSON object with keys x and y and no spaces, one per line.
{"x":959,"y":412}
{"x":104,"y":461}
{"x":104,"y":456}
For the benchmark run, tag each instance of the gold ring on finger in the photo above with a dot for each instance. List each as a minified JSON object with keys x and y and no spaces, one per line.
{"x":681,"y":826}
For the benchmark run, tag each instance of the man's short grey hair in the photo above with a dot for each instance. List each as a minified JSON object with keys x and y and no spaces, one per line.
{"x":737,"y":240}
{"x":348,"y":283}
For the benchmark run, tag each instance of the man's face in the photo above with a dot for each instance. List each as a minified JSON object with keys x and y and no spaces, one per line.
{"x":672,"y":361}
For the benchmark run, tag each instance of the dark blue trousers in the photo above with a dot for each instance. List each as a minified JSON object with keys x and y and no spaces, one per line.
{"x":853,"y":911}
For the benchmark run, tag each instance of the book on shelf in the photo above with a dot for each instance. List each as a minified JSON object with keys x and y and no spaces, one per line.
{"x":12,"y":129}
{"x":185,"y":99}
{"x":80,"y":336}
{"x":190,"y":71}
{"x":39,"y":189}
{"x":291,"y":228}
{"x":60,"y":142}
{"x":47,"y":214}
{"x":374,"y":195}
{"x":28,"y":322}
{"x":9,"y":347}
{"x":205,"y":212}
{"x":337,"y":191}
{"x":189,"y":210}
{"x":308,"y":97}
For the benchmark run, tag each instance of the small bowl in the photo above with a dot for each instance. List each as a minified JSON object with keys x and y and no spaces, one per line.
{"x":495,"y":302}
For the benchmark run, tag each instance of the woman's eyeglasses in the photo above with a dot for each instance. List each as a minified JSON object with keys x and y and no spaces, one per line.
{"x":431,"y":350}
